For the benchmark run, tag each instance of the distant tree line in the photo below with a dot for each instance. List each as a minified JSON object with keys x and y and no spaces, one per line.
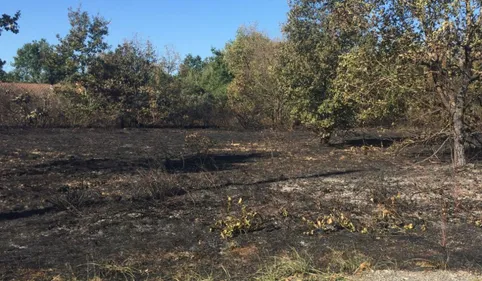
{"x":341,"y":64}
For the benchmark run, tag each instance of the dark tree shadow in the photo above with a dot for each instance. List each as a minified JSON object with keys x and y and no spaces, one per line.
{"x":376,"y":142}
{"x":25,"y":214}
{"x":81,"y":165}
{"x":285,"y":178}
{"x":189,"y":164}
{"x":211,"y":162}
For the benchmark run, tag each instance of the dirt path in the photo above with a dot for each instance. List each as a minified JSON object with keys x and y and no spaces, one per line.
{"x":390,"y":275}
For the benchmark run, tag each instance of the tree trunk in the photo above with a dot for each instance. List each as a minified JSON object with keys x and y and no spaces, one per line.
{"x":459,"y":130}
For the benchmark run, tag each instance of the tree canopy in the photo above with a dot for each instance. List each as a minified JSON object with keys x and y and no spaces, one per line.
{"x":8,"y":23}
{"x":341,"y":64}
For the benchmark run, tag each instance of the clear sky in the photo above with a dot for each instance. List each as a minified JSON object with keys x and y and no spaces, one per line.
{"x":191,"y":26}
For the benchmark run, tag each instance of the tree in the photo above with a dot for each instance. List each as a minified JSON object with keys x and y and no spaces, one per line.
{"x":170,"y":60}
{"x":32,"y":63}
{"x":122,"y":77}
{"x":254,"y":94}
{"x":191,"y":64}
{"x":203,"y":83}
{"x":210,"y":75}
{"x":216,"y":76}
{"x":318,"y":33}
{"x":190,"y":72}
{"x":193,"y":92}
{"x":443,"y":39}
{"x":447,"y":43}
{"x":345,"y":58}
{"x":81,"y":46}
{"x":379,"y":84}
{"x":8,"y":23}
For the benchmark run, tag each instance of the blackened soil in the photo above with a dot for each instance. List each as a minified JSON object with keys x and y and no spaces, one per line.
{"x":141,"y":203}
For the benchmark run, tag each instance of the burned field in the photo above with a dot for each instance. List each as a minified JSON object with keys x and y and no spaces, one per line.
{"x":162,"y":204}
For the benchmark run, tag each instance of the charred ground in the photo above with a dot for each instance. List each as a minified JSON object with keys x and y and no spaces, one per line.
{"x":153,"y":203}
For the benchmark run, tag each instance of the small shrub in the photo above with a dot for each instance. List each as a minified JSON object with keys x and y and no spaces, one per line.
{"x":388,"y":216}
{"x":73,"y":200}
{"x":81,"y":108}
{"x":198,"y":144}
{"x":239,"y":219}
{"x":157,"y":184}
{"x":335,"y":221}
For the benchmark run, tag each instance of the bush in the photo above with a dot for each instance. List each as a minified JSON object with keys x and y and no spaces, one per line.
{"x":35,"y":105}
{"x":81,"y":109}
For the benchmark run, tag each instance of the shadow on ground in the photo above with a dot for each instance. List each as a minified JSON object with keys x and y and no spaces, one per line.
{"x":372,"y":141}
{"x":24,"y":214}
{"x":189,"y":164}
{"x":211,"y":162}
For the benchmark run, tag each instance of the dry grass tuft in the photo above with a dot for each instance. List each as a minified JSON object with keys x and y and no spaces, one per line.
{"x":157,"y":184}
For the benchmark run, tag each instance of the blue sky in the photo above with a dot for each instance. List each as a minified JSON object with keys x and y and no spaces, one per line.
{"x":191,"y":26}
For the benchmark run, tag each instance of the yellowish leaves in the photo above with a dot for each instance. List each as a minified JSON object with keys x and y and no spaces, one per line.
{"x":243,"y":220}
{"x":334,"y":221}
{"x":408,"y":226}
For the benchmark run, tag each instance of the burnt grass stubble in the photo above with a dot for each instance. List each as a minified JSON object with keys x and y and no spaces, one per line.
{"x":71,"y":199}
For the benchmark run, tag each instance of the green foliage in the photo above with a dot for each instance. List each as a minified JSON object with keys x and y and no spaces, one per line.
{"x":380,"y":87}
{"x":190,"y":65}
{"x":254,"y":94}
{"x":354,"y":62}
{"x":342,"y":64}
{"x":69,"y":60}
{"x":122,"y":78}
{"x":318,"y":33}
{"x":32,"y":63}
{"x":199,"y":103}
{"x":81,"y":46}
{"x":166,"y":104}
{"x":116,"y":87}
{"x":81,"y":109}
{"x":8,"y":23}
{"x":196,"y":96}
{"x":204,"y":85}
{"x":3,"y":74}
{"x":215,"y":76}
{"x":446,"y":40}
